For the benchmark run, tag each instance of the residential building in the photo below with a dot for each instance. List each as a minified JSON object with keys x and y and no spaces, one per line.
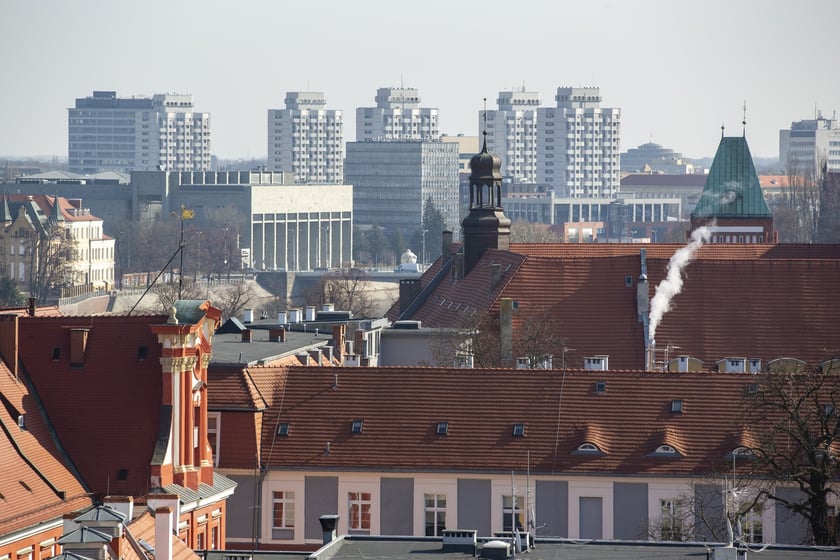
{"x":110,"y":133}
{"x":31,"y":223}
{"x":393,"y":180}
{"x":809,"y":145}
{"x":139,"y":433}
{"x":307,"y":139}
{"x":511,"y":132}
{"x":654,"y":158}
{"x":38,"y":482}
{"x":579,"y":144}
{"x":416,"y":451}
{"x":397,"y":116}
{"x":685,"y":187}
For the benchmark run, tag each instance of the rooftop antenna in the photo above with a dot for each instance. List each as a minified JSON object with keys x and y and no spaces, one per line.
{"x":721,"y":130}
{"x":744,"y":121}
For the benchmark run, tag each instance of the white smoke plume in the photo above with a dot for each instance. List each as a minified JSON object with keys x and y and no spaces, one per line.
{"x":672,"y":284}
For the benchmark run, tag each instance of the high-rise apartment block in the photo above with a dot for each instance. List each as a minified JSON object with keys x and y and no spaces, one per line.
{"x":108,"y":133}
{"x":579,"y":144}
{"x":397,"y":116}
{"x":810,"y":144}
{"x":307,"y":139}
{"x":512,"y":134}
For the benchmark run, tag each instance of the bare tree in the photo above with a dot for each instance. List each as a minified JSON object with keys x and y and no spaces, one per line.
{"x":348,"y":289}
{"x":232,"y":299}
{"x":796,"y":213}
{"x":51,"y":263}
{"x":168,"y":293}
{"x":796,"y":447}
{"x":828,"y":228}
{"x":538,"y":340}
{"x":531,"y":232}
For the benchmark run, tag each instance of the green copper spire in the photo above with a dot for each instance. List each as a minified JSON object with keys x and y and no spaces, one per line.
{"x":732,"y":189}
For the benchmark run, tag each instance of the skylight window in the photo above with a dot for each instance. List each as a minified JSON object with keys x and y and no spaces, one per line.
{"x":519,"y":430}
{"x":600,"y":386}
{"x":142,"y":353}
{"x":356,"y":426}
{"x":283,"y":429}
{"x":442,"y":428}
{"x":676,"y":406}
{"x":56,"y":353}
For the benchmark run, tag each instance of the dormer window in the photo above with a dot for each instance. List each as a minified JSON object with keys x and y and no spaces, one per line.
{"x":356,"y":426}
{"x":742,"y":452}
{"x":588,"y":448}
{"x":666,"y":450}
{"x":442,"y":428}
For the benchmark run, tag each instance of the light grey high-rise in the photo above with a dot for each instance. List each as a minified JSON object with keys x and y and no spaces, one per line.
{"x":109,"y":133}
{"x":397,"y":116}
{"x":393,"y":180}
{"x":579,"y":144}
{"x":808,"y":145}
{"x":307,"y":139}
{"x":512,"y":134}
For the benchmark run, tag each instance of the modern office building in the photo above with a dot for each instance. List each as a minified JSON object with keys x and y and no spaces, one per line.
{"x":109,"y":133}
{"x":393,"y":180}
{"x":654,"y":158}
{"x":512,"y":133}
{"x":807,"y":145}
{"x":579,"y":144}
{"x":397,"y":116}
{"x":307,"y":139}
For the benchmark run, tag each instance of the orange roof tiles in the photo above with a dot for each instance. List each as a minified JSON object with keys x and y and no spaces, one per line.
{"x":402,"y":406}
{"x":33,"y":470}
{"x":755,"y":301}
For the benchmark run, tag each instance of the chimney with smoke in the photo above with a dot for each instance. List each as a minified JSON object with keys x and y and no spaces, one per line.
{"x":672,"y":284}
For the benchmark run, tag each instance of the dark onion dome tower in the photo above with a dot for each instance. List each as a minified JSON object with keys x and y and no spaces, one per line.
{"x":486,"y":226}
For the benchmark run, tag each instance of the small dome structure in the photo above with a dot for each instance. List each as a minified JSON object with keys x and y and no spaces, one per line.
{"x":408,"y":257}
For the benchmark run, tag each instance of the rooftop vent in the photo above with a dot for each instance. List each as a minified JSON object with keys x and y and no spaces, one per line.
{"x":459,"y":540}
{"x":495,"y":550}
{"x":596,"y":363}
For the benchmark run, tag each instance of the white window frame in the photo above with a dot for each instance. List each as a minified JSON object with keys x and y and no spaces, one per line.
{"x":434,"y":505}
{"x":287,"y":499}
{"x":359,"y":509}
{"x":509,"y":508}
{"x":217,"y":431}
{"x":671,"y":519}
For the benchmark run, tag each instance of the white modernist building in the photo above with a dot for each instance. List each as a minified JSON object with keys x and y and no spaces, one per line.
{"x":512,"y":133}
{"x":579,"y":144}
{"x":397,"y":116}
{"x":307,"y":139}
{"x":807,"y":145}
{"x":108,"y":133}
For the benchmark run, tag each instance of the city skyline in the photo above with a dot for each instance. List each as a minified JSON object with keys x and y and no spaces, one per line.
{"x":678,"y":71}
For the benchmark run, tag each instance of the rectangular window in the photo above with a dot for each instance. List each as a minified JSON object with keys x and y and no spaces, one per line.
{"x":513,"y":510}
{"x":359,"y":514}
{"x":435,"y":514}
{"x":284,"y":510}
{"x":752,"y":526}
{"x":670,"y":520}
{"x":213,"y":427}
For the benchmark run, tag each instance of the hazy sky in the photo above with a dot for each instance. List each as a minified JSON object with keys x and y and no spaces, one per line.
{"x":677,"y":69}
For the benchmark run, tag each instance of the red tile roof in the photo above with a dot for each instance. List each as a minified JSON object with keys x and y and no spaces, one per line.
{"x":106,"y":413}
{"x":401,"y":407}
{"x":754,"y":301}
{"x":32,"y":468}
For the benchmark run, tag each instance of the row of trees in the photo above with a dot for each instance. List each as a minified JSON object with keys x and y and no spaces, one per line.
{"x":808,"y":210}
